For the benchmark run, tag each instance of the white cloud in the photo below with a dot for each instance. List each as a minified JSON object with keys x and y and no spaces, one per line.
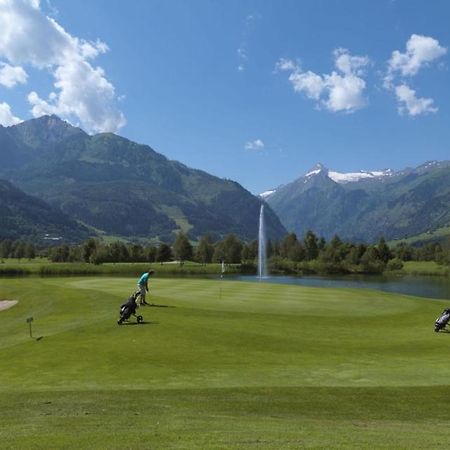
{"x":421,"y":51}
{"x":6,"y":116}
{"x":345,"y":92}
{"x":310,"y":83}
{"x":410,"y":104}
{"x":342,"y":90}
{"x":92,"y":103}
{"x":348,"y":64}
{"x":12,"y":75}
{"x":286,"y":64}
{"x":83,"y":93}
{"x":243,"y":49}
{"x":29,"y":37}
{"x":257,"y":144}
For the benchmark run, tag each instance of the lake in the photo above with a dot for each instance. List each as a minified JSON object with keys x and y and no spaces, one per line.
{"x":420,"y":286}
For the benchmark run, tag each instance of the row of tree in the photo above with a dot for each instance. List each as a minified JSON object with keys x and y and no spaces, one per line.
{"x":334,"y":254}
{"x":94,"y":251}
{"x":17,"y":249}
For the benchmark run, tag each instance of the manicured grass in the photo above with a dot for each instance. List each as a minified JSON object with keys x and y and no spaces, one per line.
{"x":425,"y":268}
{"x":220,"y":364}
{"x":41,"y":266}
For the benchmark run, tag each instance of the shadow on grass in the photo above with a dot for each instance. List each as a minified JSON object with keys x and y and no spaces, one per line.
{"x":160,"y":306}
{"x":141,"y":323}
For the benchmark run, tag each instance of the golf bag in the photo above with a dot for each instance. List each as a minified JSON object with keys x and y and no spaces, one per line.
{"x":442,"y":320}
{"x":128,"y":309}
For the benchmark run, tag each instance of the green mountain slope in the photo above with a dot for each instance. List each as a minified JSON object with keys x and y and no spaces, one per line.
{"x":127,"y":189}
{"x":25,"y":217}
{"x":441,"y":235}
{"x":402,"y":204}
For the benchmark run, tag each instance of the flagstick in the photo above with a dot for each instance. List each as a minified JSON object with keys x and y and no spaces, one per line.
{"x":221,"y":278}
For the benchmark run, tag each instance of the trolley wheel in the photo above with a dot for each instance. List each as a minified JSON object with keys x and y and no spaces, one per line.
{"x":140,"y":319}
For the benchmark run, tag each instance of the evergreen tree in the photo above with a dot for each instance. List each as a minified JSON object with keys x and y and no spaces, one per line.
{"x":353,"y":257}
{"x":89,"y":248}
{"x":334,"y":252}
{"x":19,"y":250}
{"x":311,"y":246}
{"x":250,"y":250}
{"x":136,"y":253}
{"x":428,"y":252}
{"x":205,"y":250}
{"x":288,"y":244}
{"x":275,"y":251}
{"x":150,"y":253}
{"x":102,"y":254}
{"x":163,"y":253}
{"x":228,"y":250}
{"x":219,"y":253}
{"x":30,"y":251}
{"x":297,"y":252}
{"x":321,"y":244}
{"x":75,"y":254}
{"x":182,"y":248}
{"x":119,"y":252}
{"x":60,"y":253}
{"x":5,"y":248}
{"x":404,"y":252}
{"x":233,"y":249}
{"x":384,"y":251}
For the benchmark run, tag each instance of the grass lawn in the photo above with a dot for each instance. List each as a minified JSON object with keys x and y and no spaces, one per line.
{"x":220,"y":364}
{"x":425,"y":268}
{"x":41,"y":266}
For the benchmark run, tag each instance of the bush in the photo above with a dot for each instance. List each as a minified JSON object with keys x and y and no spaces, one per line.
{"x":395,"y":264}
{"x":281,"y":265}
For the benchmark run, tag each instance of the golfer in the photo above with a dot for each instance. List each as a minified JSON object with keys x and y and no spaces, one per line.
{"x":143,"y":286}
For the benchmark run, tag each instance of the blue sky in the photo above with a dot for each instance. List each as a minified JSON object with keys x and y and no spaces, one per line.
{"x":255,"y":91}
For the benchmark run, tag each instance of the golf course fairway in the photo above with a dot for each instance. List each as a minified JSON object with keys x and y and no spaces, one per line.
{"x":220,"y":364}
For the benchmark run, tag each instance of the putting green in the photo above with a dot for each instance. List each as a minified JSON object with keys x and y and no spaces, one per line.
{"x":220,"y":364}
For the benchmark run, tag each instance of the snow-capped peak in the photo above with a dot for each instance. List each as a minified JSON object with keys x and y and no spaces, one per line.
{"x":350,"y":177}
{"x":266,"y":194}
{"x":338,"y":177}
{"x":315,"y":170}
{"x":429,"y":164}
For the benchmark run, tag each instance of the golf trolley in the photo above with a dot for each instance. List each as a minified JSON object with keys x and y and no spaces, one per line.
{"x":442,"y":320}
{"x":128,"y":309}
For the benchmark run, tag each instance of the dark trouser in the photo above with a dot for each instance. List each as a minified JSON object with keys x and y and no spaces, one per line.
{"x":142,"y":293}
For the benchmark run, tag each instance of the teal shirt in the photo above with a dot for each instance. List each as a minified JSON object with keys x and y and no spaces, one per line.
{"x":144,"y":279}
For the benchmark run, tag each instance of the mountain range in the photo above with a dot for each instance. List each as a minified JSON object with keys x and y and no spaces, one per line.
{"x":362,"y":206}
{"x":56,"y":181}
{"x":113,"y":186}
{"x":25,"y":216}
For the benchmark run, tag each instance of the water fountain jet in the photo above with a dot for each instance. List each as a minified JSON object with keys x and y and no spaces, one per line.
{"x":262,"y":256}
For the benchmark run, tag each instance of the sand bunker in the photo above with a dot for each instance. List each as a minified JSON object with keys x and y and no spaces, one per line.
{"x":5,"y":304}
